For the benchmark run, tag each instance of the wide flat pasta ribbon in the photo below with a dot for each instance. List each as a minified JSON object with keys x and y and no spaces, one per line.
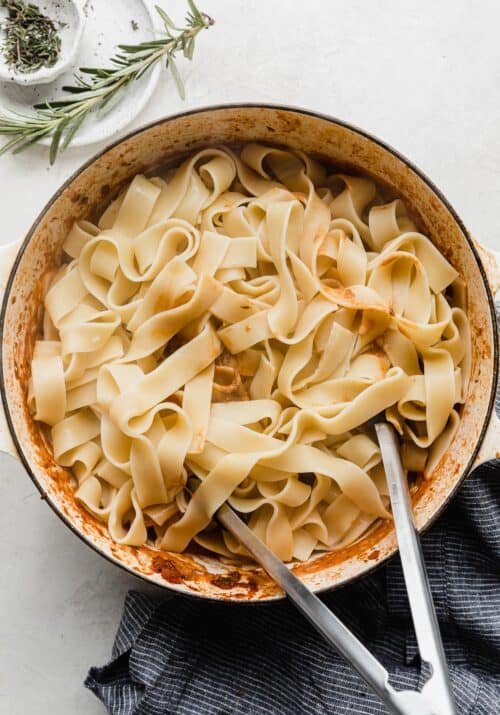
{"x":225,"y":332}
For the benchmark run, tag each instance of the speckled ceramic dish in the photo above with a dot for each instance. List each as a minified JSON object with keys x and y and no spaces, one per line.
{"x":196,"y":572}
{"x":69,"y":19}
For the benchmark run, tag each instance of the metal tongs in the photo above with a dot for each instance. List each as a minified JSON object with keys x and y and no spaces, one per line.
{"x":436,"y":697}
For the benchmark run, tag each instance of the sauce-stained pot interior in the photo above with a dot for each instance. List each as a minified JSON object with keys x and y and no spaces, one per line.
{"x":198,"y":572}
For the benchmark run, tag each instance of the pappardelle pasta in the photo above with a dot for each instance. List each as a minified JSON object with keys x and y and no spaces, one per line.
{"x":224,"y":334}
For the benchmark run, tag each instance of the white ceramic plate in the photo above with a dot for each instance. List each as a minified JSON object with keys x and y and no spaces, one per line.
{"x":108,"y":23}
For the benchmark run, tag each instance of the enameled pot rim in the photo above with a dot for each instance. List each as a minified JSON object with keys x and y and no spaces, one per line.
{"x":290,"y":109}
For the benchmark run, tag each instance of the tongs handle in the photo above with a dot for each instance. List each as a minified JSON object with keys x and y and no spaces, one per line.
{"x":326,"y":623}
{"x":437,"y":689}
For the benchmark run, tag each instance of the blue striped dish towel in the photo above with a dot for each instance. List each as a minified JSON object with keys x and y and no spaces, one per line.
{"x":191,"y":658}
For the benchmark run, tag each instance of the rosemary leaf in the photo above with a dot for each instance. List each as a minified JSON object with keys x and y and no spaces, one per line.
{"x":195,"y":12}
{"x":111,"y":101}
{"x":189,"y":49}
{"x":72,"y":130}
{"x":96,"y":71}
{"x":143,"y":71}
{"x":56,"y":139}
{"x":33,"y":140}
{"x":10,"y":146}
{"x":166,"y":19}
{"x":134,"y":49}
{"x":175,"y":74}
{"x":77,"y":89}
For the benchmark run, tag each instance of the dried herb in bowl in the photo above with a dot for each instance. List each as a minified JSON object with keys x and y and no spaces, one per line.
{"x":31,"y":38}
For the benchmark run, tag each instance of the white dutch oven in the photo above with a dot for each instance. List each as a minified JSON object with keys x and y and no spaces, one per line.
{"x":84,"y":195}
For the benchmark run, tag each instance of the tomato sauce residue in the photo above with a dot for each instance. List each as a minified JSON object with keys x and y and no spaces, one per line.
{"x":225,"y":581}
{"x":168,"y":570}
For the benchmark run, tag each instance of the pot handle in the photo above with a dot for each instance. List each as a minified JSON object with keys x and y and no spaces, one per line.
{"x":8,"y":255}
{"x":491,"y":263}
{"x":490,"y":448}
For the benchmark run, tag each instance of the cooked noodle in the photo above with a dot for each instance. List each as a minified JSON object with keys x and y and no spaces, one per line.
{"x":232,"y":327}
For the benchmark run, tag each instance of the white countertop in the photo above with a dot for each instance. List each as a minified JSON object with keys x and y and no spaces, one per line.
{"x":424,"y":76}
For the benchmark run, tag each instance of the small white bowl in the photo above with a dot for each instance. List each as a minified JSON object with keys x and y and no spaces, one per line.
{"x":72,"y":18}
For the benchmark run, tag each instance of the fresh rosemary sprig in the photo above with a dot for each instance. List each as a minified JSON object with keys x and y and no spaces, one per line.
{"x":31,"y":39}
{"x":102,"y":89}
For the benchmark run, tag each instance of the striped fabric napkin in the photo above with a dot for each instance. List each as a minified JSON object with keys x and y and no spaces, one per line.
{"x":194,"y":658}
